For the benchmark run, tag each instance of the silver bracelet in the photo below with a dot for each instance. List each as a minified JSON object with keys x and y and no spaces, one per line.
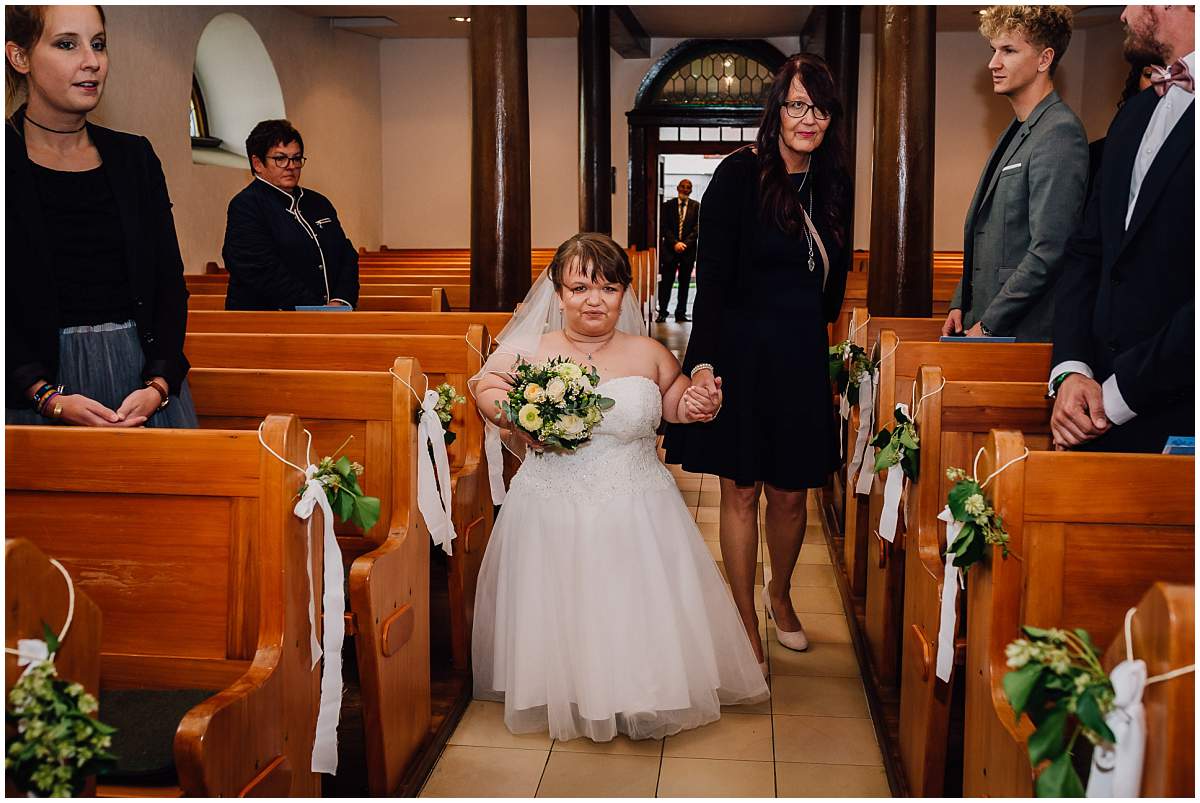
{"x":701,"y":367}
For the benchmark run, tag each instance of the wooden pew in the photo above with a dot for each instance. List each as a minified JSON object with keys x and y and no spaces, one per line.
{"x":1014,"y":362}
{"x":952,"y":425}
{"x":389,"y":577}
{"x":434,"y":301}
{"x":187,"y":542}
{"x":1089,"y":534}
{"x":360,"y":323}
{"x":444,"y":358}
{"x":1164,"y":636}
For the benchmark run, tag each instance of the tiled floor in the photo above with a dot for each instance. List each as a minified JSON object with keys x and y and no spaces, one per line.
{"x":813,"y":738}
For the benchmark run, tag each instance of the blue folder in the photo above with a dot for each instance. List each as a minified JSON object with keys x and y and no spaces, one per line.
{"x":961,"y":339}
{"x":324,"y":309}
{"x":1180,"y":444}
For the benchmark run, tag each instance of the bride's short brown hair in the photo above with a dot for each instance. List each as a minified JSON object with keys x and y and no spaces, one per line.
{"x":598,"y":255}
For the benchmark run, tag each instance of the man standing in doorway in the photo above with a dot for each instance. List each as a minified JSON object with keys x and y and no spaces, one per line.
{"x":679,"y":224}
{"x":1125,"y":324}
{"x":1030,"y":196}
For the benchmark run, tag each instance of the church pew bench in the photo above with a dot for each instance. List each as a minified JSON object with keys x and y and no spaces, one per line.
{"x":187,"y":542}
{"x":360,"y":323}
{"x":1009,"y":362}
{"x":444,"y":358}
{"x":1164,"y":636}
{"x":388,"y":602}
{"x":1089,"y":533}
{"x":434,"y":301}
{"x":952,"y":425}
{"x":456,"y":295}
{"x":853,"y":507}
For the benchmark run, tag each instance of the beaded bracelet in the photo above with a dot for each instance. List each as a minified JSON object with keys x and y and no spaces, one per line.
{"x":701,"y":367}
{"x":40,"y":394}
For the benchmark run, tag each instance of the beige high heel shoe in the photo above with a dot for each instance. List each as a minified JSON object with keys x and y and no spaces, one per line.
{"x":792,"y":639}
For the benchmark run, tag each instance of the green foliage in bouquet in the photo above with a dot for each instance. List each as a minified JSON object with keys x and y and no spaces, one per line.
{"x":848,"y":363}
{"x":899,"y":444}
{"x":340,"y":480}
{"x":1058,"y":681}
{"x":447,"y":398}
{"x":555,"y":401}
{"x":58,"y":744}
{"x":981,"y":525}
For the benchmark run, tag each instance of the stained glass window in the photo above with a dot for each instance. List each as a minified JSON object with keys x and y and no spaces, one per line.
{"x":717,"y":79}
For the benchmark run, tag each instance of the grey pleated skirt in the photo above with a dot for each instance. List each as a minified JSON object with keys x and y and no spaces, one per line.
{"x":104,"y":363}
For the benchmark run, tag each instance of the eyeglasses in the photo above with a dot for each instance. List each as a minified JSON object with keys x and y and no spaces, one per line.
{"x":283,"y":160}
{"x":798,"y":108}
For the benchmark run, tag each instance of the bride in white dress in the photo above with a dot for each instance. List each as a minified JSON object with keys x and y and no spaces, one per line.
{"x":599,"y":610}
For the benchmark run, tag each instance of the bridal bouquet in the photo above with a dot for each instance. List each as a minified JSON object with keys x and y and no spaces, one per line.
{"x":555,"y":401}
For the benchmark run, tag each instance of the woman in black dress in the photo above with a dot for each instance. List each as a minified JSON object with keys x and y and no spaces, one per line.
{"x":769,"y":282}
{"x":95,"y":300}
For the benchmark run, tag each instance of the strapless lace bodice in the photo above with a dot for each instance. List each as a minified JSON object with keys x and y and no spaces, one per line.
{"x":620,"y":458}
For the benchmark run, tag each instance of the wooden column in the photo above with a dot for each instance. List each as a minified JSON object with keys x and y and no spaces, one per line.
{"x":595,"y":121}
{"x":842,"y":33}
{"x":500,"y":239}
{"x":900,"y":281}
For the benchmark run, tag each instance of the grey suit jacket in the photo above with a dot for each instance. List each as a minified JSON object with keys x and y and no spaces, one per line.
{"x":1018,"y":224}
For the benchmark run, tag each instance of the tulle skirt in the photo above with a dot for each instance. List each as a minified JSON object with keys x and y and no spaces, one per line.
{"x":598,"y":618}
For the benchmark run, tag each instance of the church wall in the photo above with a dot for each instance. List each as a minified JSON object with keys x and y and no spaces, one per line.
{"x":330,"y":82}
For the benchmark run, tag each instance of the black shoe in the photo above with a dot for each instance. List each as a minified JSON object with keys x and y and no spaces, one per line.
{"x":682,"y":319}
{"x":662,"y":318}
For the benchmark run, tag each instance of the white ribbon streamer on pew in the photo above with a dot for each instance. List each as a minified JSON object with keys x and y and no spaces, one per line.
{"x":948,"y":616}
{"x":433,"y":472}
{"x":1117,"y":768}
{"x":333,"y":611}
{"x":866,"y":418}
{"x":891,"y":493}
{"x":493,"y":443}
{"x":33,"y":651}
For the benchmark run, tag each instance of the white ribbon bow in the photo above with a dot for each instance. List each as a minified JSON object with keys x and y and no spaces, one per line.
{"x":324,"y":752}
{"x":493,"y":448}
{"x":890,"y":513}
{"x":1117,"y":768}
{"x":949,"y":612}
{"x":31,"y":652}
{"x":433,"y":473}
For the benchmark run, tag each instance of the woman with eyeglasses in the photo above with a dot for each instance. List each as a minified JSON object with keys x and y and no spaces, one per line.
{"x":284,"y":247}
{"x":772,"y":263}
{"x":95,"y":299}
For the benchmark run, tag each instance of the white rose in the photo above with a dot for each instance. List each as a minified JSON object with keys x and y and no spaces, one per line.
{"x":572,"y":426}
{"x":583,"y":384}
{"x":555,"y":389}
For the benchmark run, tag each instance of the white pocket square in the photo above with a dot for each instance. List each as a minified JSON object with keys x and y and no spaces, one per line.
{"x":1011,"y":167}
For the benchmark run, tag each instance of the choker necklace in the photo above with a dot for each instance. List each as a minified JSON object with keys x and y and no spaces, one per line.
{"x":575,"y":343}
{"x":29,"y":119}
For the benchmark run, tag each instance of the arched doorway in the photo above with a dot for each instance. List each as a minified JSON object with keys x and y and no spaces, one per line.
{"x":693,"y":100}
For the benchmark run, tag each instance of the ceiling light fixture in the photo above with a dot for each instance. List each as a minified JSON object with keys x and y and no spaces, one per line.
{"x":460,"y":19}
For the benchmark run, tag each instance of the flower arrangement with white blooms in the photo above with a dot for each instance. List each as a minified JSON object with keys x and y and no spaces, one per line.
{"x":555,"y":401}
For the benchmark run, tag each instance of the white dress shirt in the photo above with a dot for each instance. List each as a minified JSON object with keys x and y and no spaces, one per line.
{"x":1167,"y":113}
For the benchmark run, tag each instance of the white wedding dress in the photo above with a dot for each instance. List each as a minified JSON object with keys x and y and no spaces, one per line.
{"x":599,"y":609}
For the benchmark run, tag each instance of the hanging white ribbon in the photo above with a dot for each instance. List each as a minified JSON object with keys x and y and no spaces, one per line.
{"x":333,"y":623}
{"x":434,"y":473}
{"x":31,"y":652}
{"x":891,"y":492}
{"x":866,"y":419}
{"x":493,"y":448}
{"x":948,"y":617}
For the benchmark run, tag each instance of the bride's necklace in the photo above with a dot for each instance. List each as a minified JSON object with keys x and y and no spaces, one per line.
{"x":29,"y":119}
{"x":587,"y":354}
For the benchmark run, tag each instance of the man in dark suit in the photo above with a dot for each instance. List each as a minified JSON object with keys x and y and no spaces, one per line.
{"x":679,"y":223}
{"x":1124,"y":334}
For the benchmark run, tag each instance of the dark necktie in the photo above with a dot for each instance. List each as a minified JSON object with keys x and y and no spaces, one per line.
{"x":682,"y":213}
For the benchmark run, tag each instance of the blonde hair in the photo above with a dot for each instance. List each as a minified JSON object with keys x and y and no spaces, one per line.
{"x":1043,"y":26}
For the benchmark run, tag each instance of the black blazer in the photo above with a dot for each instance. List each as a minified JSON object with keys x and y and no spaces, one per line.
{"x":669,"y":226}
{"x":1125,"y":304}
{"x":284,"y":250}
{"x":151,"y":251}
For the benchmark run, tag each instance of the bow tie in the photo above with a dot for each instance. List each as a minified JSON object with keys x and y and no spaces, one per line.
{"x":1178,"y":74}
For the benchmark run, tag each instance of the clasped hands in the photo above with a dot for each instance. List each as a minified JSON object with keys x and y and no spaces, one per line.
{"x":702,"y":401}
{"x":1078,"y":415}
{"x":134,"y":411}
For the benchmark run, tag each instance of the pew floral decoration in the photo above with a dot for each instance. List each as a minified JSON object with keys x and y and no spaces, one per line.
{"x":556,"y":402}
{"x":339,"y":478}
{"x":980,"y":524}
{"x":447,"y":397}
{"x":1058,"y":681}
{"x":899,"y":445}
{"x":58,"y":743}
{"x":848,"y":364}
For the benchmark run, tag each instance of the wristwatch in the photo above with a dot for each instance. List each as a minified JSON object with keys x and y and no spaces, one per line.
{"x":150,"y":383}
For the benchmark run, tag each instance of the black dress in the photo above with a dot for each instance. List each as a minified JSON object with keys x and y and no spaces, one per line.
{"x":760,"y":318}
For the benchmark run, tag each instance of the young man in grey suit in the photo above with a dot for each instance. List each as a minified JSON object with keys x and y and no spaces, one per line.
{"x":1030,"y":195}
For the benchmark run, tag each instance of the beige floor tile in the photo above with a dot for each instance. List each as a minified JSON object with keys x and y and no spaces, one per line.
{"x":483,"y":726}
{"x":590,"y":775}
{"x":464,"y":771}
{"x":710,"y":498}
{"x":711,"y":530}
{"x":819,"y":696}
{"x":830,"y":627}
{"x":744,"y":737}
{"x":688,"y":483}
{"x":826,"y":740}
{"x":690,"y":498}
{"x":620,"y":746}
{"x":814,"y":574}
{"x":708,"y":513}
{"x":821,"y":658}
{"x":830,"y":780}
{"x":816,"y":599}
{"x":759,"y":708}
{"x":814,"y":533}
{"x":814,"y":553}
{"x":696,"y":777}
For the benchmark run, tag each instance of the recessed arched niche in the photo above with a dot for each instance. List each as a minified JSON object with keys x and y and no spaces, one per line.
{"x":239,"y":86}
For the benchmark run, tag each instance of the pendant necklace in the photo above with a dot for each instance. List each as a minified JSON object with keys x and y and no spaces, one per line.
{"x":812,"y":263}
{"x":575,"y":343}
